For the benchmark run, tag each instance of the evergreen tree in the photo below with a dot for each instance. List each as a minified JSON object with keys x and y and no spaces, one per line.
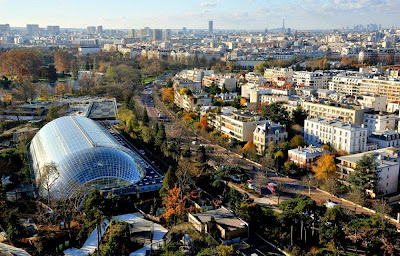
{"x":145,"y":117}
{"x":365,"y":175}
{"x":169,"y":181}
{"x":298,"y":116}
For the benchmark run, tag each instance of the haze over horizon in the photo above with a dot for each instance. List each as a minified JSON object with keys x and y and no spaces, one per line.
{"x":194,"y":14}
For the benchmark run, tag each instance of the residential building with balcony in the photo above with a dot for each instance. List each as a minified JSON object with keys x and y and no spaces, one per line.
{"x":240,"y":125}
{"x":388,"y":170}
{"x":314,"y":80}
{"x":349,"y":85}
{"x":385,"y":139}
{"x":379,"y":121}
{"x":352,"y":114}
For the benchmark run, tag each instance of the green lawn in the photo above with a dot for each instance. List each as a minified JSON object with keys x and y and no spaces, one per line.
{"x":148,"y":80}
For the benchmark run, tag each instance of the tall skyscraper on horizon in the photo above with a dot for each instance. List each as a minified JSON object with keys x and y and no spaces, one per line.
{"x":4,"y":28}
{"x":157,"y":34}
{"x":53,"y":30}
{"x":99,"y":30}
{"x":131,"y":33}
{"x":210,"y":27}
{"x":91,"y":30}
{"x":32,"y":29}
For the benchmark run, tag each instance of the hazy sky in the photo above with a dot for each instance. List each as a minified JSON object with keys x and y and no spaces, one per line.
{"x":226,"y":14}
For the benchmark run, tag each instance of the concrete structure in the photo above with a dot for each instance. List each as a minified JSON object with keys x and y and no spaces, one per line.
{"x":385,"y":139}
{"x":157,"y":34}
{"x":384,"y":87}
{"x":83,"y":50}
{"x":354,"y":115}
{"x":379,"y":121}
{"x":210,"y":27}
{"x":375,"y":102}
{"x":305,"y":156}
{"x":188,"y":84}
{"x":239,"y":125}
{"x":388,"y":169}
{"x":349,"y":85}
{"x":267,"y":132}
{"x":341,"y":136}
{"x":190,"y":102}
{"x":272,"y":74}
{"x":231,"y":228}
{"x":32,"y":29}
{"x":311,"y":79}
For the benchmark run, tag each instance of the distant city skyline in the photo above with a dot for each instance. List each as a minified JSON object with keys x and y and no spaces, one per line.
{"x":195,"y":14}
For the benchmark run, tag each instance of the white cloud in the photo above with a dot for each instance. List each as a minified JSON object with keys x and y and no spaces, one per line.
{"x":207,"y":4}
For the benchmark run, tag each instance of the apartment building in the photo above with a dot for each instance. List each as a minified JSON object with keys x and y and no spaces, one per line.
{"x":272,"y":74}
{"x":385,"y":139}
{"x":194,"y":86}
{"x":349,"y":85}
{"x":228,"y":81}
{"x":375,"y":102}
{"x":379,"y":121}
{"x":267,"y":132}
{"x":388,"y":169}
{"x":341,"y":136}
{"x":305,"y":156}
{"x":314,"y":80}
{"x":353,"y":115}
{"x":190,"y":102}
{"x":389,"y":88}
{"x":239,"y":125}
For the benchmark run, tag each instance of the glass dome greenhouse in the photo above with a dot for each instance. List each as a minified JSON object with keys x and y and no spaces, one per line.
{"x":84,"y":154}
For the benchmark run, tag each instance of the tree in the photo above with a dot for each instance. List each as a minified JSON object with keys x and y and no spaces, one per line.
{"x":167,"y":94}
{"x":61,"y":62}
{"x":310,"y":181}
{"x":145,"y":117}
{"x":297,"y":141}
{"x":15,"y":230}
{"x":365,"y":175}
{"x":224,"y":250}
{"x":47,"y":176}
{"x":276,"y":113}
{"x":201,"y":155}
{"x":174,"y":204}
{"x":381,"y":207}
{"x":169,"y":181}
{"x":298,"y":116}
{"x":249,"y":146}
{"x":259,"y":67}
{"x":325,"y":167}
{"x":331,"y":229}
{"x":377,"y":236}
{"x":261,"y":179}
{"x":24,"y":64}
{"x":52,"y":112}
{"x":224,"y":90}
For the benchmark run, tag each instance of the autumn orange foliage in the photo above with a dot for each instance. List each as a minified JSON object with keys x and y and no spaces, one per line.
{"x":174,"y":204}
{"x":167,"y":95}
{"x":325,"y":167}
{"x":249,"y":146}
